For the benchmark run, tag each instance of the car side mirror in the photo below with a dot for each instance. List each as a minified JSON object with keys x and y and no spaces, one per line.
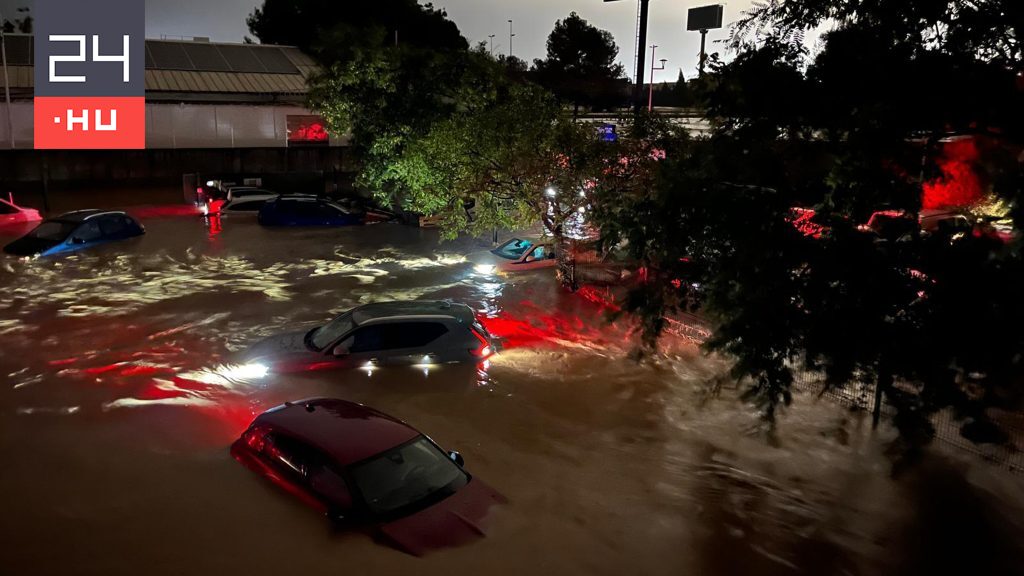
{"x":457,"y":458}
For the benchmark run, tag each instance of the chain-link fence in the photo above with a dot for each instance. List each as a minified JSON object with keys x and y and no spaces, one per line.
{"x":861,"y":395}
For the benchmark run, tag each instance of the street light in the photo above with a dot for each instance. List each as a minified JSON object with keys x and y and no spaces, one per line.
{"x":650,"y":96}
{"x":492,"y":44}
{"x":510,"y":37}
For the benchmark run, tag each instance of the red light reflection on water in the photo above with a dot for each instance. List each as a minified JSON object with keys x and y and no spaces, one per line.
{"x":533,"y":327}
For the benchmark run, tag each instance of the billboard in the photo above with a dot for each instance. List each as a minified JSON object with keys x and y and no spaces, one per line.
{"x":704,"y":17}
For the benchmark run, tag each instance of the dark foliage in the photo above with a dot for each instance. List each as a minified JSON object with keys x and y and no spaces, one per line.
{"x":581,"y":66}
{"x":332,"y":30}
{"x":930,"y":318}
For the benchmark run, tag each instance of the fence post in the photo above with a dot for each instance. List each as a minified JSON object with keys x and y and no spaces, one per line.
{"x":882,"y":381}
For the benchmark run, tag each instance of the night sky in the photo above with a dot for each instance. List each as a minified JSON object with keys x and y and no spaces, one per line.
{"x":224,"y":20}
{"x":532,"y":22}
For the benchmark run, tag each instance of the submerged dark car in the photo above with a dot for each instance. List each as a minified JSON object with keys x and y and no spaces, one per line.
{"x":303,"y":210}
{"x":368,"y":471}
{"x":420,"y":332}
{"x":74,"y":231}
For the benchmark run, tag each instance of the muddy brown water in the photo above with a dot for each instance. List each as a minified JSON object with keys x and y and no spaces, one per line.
{"x":121,"y":395}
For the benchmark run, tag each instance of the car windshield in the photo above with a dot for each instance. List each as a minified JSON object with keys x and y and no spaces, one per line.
{"x":406,"y":475}
{"x":323,"y":336}
{"x":53,"y":230}
{"x":513,"y":249}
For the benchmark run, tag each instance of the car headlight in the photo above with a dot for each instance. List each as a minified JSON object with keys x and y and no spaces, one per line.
{"x":485,"y":269}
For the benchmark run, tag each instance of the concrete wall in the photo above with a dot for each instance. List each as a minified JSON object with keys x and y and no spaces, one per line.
{"x":177,"y":126}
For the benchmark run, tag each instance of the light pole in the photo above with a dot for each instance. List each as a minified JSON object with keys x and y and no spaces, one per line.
{"x":650,"y":96}
{"x":491,"y":37}
{"x":641,"y":44}
{"x":510,"y":37}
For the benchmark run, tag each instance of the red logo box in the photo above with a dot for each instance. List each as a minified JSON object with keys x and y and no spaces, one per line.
{"x":76,"y":123}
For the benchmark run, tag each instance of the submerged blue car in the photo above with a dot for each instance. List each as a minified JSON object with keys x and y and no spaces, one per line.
{"x":303,"y":210}
{"x":75,"y":231}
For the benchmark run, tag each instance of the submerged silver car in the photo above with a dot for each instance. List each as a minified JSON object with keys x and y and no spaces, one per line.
{"x":381,"y":334}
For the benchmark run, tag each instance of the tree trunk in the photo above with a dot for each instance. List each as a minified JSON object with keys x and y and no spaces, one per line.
{"x":566,"y":262}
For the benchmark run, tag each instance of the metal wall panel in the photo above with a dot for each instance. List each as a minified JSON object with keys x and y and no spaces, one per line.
{"x":185,"y":126}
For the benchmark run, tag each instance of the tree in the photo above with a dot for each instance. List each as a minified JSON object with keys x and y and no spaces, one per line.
{"x":861,"y":128}
{"x":331,"y":30}
{"x":22,"y":25}
{"x":581,"y":66}
{"x":380,"y":92}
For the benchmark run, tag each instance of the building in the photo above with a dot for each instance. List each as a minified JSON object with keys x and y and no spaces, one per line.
{"x":213,"y":110}
{"x":198,"y":95}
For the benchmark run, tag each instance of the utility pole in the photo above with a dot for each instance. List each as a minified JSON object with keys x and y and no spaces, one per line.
{"x":642,"y":42}
{"x":7,"y":80}
{"x":703,"y":55}
{"x":510,"y":37}
{"x":650,"y":95}
{"x":641,"y":50}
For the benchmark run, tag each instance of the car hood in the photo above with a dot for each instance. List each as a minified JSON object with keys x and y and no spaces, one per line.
{"x":27,"y":246}
{"x":486,"y":258}
{"x":458,"y":519}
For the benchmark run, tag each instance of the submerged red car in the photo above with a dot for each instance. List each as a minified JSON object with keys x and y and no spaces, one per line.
{"x":366,"y":470}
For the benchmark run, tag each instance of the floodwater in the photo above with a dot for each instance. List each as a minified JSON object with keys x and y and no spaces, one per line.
{"x":121,"y":395}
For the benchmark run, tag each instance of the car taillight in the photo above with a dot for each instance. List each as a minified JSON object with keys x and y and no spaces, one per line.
{"x":254,"y":439}
{"x":484,"y":349}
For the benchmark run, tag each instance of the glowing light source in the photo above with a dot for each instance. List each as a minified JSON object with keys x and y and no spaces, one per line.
{"x":583,"y":209}
{"x":210,"y":183}
{"x":550,"y":192}
{"x":485,"y":269}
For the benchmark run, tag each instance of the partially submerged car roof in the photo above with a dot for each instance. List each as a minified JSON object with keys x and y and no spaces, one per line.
{"x":83,"y":215}
{"x":346,"y":431}
{"x":460,"y":312}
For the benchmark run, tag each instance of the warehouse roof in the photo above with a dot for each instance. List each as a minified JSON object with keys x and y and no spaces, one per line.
{"x":197,"y":70}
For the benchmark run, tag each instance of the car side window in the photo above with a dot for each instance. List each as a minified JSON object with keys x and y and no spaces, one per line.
{"x":329,"y":211}
{"x":327,"y":483}
{"x":112,"y":225}
{"x":367,"y":339}
{"x":289,"y":455}
{"x":413,"y":334}
{"x":6,"y":208}
{"x":307,"y":209}
{"x":287,"y":206}
{"x":396,"y":336}
{"x":88,"y":231}
{"x":537,"y":254}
